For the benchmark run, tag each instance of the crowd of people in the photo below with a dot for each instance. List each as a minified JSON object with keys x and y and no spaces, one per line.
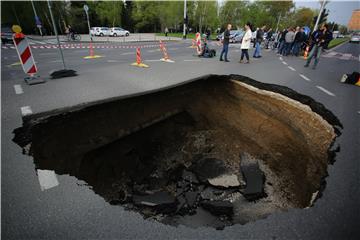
{"x":291,"y":41}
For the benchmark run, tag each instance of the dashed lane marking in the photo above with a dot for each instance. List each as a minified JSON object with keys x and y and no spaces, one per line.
{"x":281,"y":58}
{"x":285,"y":63}
{"x":18,"y":89}
{"x":291,"y":68}
{"x":112,"y":61}
{"x":305,"y":78}
{"x":26,"y":110}
{"x":47,"y":179}
{"x":326,"y":91}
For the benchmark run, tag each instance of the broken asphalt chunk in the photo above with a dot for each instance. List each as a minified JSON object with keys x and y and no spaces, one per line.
{"x":218,"y":208}
{"x":161,"y":201}
{"x":254,"y":179}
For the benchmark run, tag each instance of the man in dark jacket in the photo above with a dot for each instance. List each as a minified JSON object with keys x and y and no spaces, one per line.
{"x":319,"y":41}
{"x":226,"y":43}
{"x":282,"y":41}
{"x":259,"y":39}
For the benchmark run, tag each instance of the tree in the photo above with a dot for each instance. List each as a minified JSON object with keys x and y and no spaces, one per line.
{"x":206,"y":15}
{"x":304,"y":17}
{"x":234,"y":12}
{"x":343,"y":29}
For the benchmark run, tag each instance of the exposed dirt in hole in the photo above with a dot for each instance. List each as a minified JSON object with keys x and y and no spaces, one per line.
{"x":213,"y":152}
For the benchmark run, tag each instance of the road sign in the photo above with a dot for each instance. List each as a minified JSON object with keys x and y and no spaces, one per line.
{"x":37,"y":21}
{"x":86,"y":8}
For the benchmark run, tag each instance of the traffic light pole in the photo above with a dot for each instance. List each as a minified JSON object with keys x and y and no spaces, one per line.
{"x":184,"y":31}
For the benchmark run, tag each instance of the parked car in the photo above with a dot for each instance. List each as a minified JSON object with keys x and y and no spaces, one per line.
{"x":355,"y":38}
{"x":101,"y":31}
{"x":118,"y":31}
{"x":6,"y":35}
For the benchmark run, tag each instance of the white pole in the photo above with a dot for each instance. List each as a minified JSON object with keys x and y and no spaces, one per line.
{"x":36,"y":16}
{"x":320,"y":12}
{"x":277,"y":25}
{"x":184,"y":31}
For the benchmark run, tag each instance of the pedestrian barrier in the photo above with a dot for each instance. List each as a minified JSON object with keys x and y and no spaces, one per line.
{"x":166,"y":56}
{"x":306,"y":53}
{"x":25,"y":55}
{"x":92,"y":55}
{"x":138,"y":62}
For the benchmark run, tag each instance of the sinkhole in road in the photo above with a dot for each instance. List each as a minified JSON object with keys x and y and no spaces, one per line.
{"x":214,"y":151}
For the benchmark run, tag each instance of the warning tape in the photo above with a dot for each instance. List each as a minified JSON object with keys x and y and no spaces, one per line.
{"x":80,"y":46}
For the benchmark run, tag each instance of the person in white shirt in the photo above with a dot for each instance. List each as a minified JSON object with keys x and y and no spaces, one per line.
{"x":245,"y":43}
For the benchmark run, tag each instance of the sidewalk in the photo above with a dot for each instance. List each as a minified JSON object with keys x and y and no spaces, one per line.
{"x":134,"y":37}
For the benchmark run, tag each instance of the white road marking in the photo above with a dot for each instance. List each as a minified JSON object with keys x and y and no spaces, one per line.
{"x":281,"y":58}
{"x":284,"y":63}
{"x":112,"y":61}
{"x":81,"y":51}
{"x":291,"y":68}
{"x":47,"y":179}
{"x":346,"y":56}
{"x":326,"y":91}
{"x":192,"y":60}
{"x":358,"y":112}
{"x":55,"y":61}
{"x":26,"y":110}
{"x":18,"y":89}
{"x":305,"y":78}
{"x":128,"y":53}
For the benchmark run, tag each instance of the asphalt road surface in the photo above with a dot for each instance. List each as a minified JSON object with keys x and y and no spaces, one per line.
{"x":71,"y":210}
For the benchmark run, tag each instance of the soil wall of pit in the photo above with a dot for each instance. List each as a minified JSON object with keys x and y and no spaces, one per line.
{"x":292,"y":138}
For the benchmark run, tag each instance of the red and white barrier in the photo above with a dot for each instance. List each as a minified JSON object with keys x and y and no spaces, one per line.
{"x":24,"y":52}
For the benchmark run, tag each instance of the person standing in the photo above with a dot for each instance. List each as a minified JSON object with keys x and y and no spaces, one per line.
{"x":226,"y":41}
{"x":282,"y":41}
{"x":289,"y":39}
{"x":320,"y":39}
{"x":166,"y":31}
{"x":297,"y":41}
{"x":245,"y":43}
{"x":259,"y":39}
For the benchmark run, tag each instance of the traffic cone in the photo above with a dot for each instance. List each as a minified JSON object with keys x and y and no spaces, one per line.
{"x":166,"y":56}
{"x":138,"y":62}
{"x":306,"y":53}
{"x":92,"y":55}
{"x":193,"y":45}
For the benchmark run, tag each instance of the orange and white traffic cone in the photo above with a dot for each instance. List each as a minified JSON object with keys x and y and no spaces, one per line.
{"x":138,"y":62}
{"x":193,"y":45}
{"x":306,"y":53}
{"x":92,"y":55}
{"x":166,"y":56}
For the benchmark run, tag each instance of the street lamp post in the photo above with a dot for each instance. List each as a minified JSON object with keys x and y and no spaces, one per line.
{"x":184,"y":30}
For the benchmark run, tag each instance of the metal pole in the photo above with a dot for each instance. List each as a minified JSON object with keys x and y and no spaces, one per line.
{"x":56,"y":33}
{"x":88,"y":22}
{"x":318,"y":18}
{"x":277,"y":25}
{"x":184,"y":31}
{"x":36,"y":16}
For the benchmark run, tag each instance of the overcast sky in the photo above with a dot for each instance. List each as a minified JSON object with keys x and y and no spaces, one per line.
{"x":340,"y":11}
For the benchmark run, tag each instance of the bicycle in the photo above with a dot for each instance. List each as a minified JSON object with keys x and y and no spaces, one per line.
{"x":74,"y":37}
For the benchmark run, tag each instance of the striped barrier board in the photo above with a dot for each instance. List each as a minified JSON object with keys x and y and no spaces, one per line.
{"x":24,"y":52}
